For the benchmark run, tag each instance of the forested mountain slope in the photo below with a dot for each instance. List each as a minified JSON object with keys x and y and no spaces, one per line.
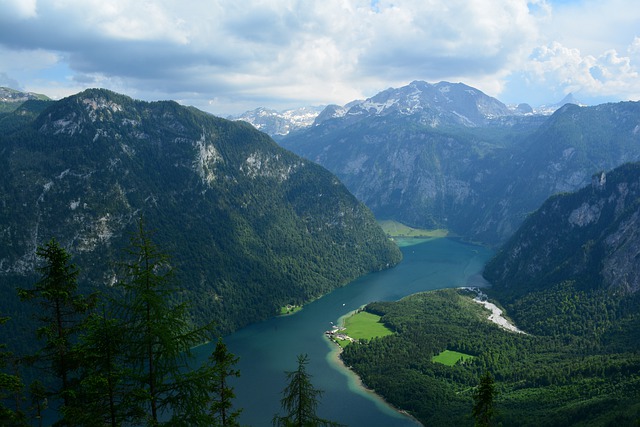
{"x":249,"y":226}
{"x":11,"y":99}
{"x":568,"y":278}
{"x":591,"y":236}
{"x":449,"y":156}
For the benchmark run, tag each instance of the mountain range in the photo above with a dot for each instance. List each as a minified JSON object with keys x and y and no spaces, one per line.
{"x":11,"y":99}
{"x":591,"y":236}
{"x":250,"y":226}
{"x":449,"y":156}
{"x":280,"y":123}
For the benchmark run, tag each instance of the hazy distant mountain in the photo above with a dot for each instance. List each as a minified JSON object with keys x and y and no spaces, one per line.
{"x":11,"y":99}
{"x":548,"y":109}
{"x":279,"y":123}
{"x":250,"y":226}
{"x":449,"y":156}
{"x":436,"y":105}
{"x":522,"y":109}
{"x":440,"y":104}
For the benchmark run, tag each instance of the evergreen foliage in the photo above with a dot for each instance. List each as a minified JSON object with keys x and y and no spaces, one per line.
{"x":11,"y":389}
{"x":571,"y":368}
{"x":158,"y":337}
{"x":300,"y":400}
{"x":62,"y":311}
{"x":104,"y":381}
{"x":221,"y":366}
{"x":483,"y":410}
{"x":251,"y":227}
{"x":129,"y":362}
{"x":39,"y":400}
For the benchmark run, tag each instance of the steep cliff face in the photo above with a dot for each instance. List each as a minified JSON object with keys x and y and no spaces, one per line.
{"x":575,"y":143}
{"x":426,"y":155}
{"x":591,"y":236}
{"x":473,"y":167}
{"x":250,"y":226}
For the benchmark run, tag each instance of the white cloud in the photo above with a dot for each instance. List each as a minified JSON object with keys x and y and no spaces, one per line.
{"x":594,"y":26}
{"x":19,"y":9}
{"x":296,"y":52}
{"x":8,"y":81}
{"x":568,"y":70}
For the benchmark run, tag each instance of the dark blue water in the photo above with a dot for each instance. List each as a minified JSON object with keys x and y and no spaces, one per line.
{"x":269,"y":348}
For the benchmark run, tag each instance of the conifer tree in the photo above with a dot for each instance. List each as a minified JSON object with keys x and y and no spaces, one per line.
{"x":103,"y":385}
{"x":158,"y":337}
{"x":483,"y":408}
{"x":221,"y":368}
{"x":39,"y":401}
{"x":300,"y":400}
{"x":11,"y":388}
{"x":62,"y":309}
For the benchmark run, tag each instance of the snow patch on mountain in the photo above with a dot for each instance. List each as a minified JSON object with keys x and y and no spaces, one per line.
{"x":279,"y":123}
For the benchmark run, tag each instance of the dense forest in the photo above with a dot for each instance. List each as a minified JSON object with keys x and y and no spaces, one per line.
{"x":250,"y":227}
{"x":568,"y":278}
{"x":578,"y":364}
{"x":125,"y":359}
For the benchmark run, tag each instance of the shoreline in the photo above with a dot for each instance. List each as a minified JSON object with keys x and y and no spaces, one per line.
{"x":354,"y":382}
{"x":496,"y":313}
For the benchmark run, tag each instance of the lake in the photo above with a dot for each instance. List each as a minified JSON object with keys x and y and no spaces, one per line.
{"x":268,"y":349}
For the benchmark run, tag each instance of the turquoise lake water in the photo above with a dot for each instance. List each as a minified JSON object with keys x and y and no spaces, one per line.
{"x":268,"y":349}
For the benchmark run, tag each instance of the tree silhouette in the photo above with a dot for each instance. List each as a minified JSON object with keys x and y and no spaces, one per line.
{"x":103,"y":384}
{"x":483,"y":407}
{"x":159,"y":337}
{"x":62,"y":311}
{"x":11,"y":388}
{"x":221,"y":368}
{"x":300,"y":400}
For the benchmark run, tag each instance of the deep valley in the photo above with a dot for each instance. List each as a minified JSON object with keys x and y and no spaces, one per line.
{"x":249,"y":228}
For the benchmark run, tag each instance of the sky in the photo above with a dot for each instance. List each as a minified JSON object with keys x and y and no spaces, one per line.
{"x":230,"y":56}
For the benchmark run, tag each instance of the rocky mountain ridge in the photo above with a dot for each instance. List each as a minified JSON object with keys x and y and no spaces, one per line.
{"x":591,"y":236}
{"x":250,"y":226}
{"x":11,"y":99}
{"x":439,"y":104}
{"x":279,"y":123}
{"x":477,"y":181}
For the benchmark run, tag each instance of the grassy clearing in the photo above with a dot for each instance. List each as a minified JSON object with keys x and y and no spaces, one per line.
{"x":342,"y":343}
{"x":450,"y":358}
{"x":365,"y":325}
{"x":289,"y":309}
{"x":396,"y":229}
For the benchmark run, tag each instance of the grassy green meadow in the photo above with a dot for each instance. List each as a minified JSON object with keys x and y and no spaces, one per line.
{"x":403,"y":235}
{"x":364,"y":325}
{"x":289,"y":309}
{"x":450,"y":358}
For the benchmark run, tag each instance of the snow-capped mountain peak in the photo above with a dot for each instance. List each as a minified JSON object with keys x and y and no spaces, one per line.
{"x":279,"y":123}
